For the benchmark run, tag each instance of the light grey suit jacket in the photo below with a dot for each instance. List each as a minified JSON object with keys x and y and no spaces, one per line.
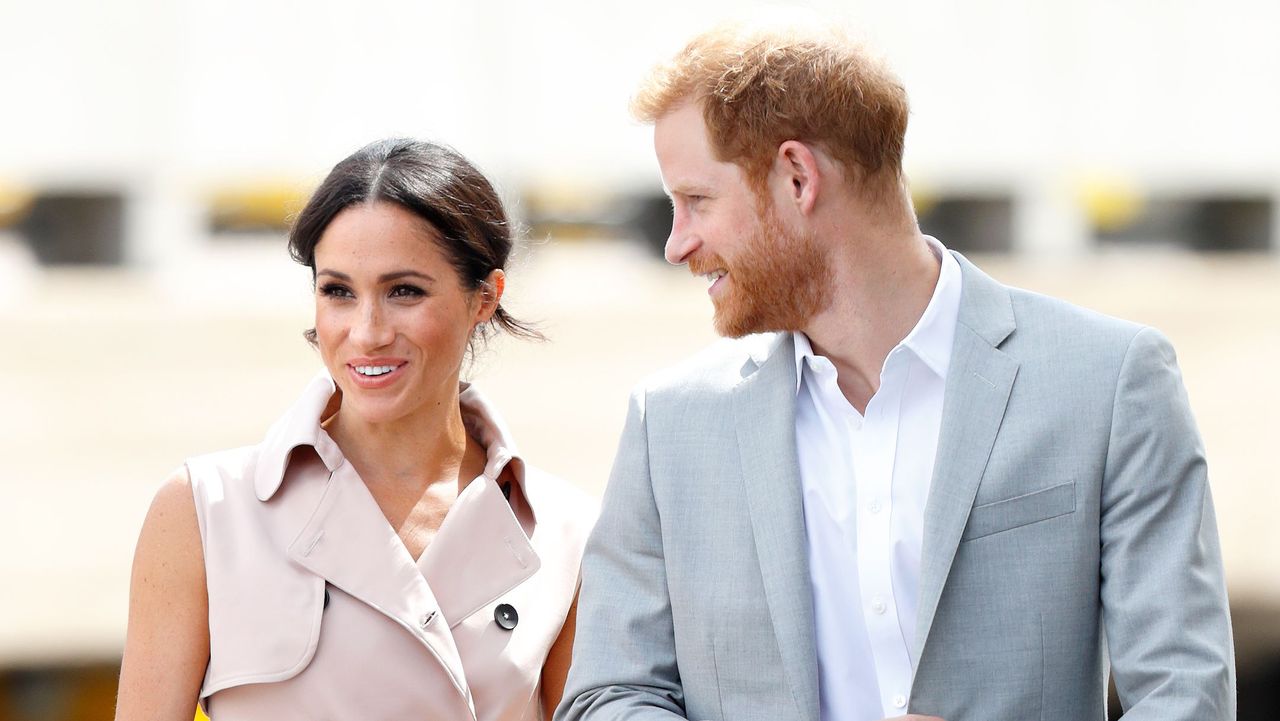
{"x":1069,"y":525}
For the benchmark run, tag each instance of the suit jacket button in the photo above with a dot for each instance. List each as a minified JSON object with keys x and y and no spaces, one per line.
{"x":506,"y":616}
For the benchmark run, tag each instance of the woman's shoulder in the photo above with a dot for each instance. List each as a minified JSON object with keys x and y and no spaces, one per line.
{"x":169,"y":552}
{"x":241,"y":458}
{"x":219,"y":472}
{"x":258,"y":469}
{"x":173,"y":499}
{"x":558,"y":502}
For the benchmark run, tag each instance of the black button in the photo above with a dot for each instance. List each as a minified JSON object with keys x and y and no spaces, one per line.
{"x":506,"y":616}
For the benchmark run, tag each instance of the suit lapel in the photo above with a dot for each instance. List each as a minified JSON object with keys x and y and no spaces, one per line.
{"x":764,"y":416}
{"x":979,"y":382}
{"x":349,"y":543}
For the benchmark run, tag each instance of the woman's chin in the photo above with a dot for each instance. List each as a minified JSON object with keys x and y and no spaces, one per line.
{"x":371,"y":408}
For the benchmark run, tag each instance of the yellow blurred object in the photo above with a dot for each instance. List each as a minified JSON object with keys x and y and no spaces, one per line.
{"x":564,"y":209}
{"x":200,"y":715}
{"x":15,"y":203}
{"x":923,"y":199}
{"x":259,"y":205}
{"x":1110,"y":202}
{"x":564,"y":198}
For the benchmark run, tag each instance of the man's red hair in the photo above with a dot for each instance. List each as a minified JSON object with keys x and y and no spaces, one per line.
{"x":760,"y":88}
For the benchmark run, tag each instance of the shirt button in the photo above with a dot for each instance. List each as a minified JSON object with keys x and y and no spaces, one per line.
{"x":878,"y":605}
{"x":874,"y":507}
{"x":899,"y":701}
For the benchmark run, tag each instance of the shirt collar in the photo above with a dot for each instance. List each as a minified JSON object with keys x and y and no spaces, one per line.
{"x":300,"y":426}
{"x":934,"y":334}
{"x":804,"y":351}
{"x":932,"y":338}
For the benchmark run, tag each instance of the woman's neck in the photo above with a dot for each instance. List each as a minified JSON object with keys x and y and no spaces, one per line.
{"x":413,"y":452}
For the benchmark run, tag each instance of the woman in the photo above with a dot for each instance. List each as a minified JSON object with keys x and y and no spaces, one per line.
{"x":383,"y":553}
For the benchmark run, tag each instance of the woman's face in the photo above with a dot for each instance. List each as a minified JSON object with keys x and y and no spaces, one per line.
{"x":392,"y":317}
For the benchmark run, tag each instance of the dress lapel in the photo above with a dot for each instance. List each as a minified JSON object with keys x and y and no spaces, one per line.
{"x":480,"y":552}
{"x":349,"y":543}
{"x":978,"y":385}
{"x":764,"y":414}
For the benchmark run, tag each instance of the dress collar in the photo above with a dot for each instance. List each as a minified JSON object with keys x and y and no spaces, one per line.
{"x":300,"y":426}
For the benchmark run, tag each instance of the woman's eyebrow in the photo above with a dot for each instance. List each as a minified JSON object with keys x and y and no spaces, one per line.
{"x":384,"y":278}
{"x":399,"y":274}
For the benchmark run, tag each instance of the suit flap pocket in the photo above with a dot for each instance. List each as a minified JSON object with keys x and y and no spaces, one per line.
{"x":1020,"y":511}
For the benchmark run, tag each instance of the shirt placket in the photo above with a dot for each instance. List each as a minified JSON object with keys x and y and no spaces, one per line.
{"x":848,"y":665}
{"x":874,"y":445}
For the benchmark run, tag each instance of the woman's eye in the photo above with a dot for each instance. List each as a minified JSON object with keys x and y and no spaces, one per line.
{"x":335,"y":290}
{"x":407,"y":291}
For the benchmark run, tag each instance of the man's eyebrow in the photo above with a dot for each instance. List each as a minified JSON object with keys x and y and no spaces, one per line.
{"x":384,"y":278}
{"x":687,"y":190}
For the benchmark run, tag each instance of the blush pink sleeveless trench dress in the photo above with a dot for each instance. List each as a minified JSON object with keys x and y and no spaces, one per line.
{"x":318,"y":611}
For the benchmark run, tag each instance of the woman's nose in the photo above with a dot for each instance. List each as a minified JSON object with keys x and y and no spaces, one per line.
{"x":372,"y":329}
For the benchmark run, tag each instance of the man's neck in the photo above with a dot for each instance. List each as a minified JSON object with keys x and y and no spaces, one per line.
{"x":882,"y":286}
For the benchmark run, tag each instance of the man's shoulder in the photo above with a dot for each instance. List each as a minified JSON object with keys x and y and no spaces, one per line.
{"x":1036,"y":319}
{"x":716,"y":369}
{"x":1045,"y":319}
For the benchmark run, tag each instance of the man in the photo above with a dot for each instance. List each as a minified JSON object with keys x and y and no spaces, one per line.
{"x":915,"y":490}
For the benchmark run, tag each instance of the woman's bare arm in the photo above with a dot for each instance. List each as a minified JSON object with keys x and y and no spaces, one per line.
{"x":166,"y":649}
{"x":556,"y":669}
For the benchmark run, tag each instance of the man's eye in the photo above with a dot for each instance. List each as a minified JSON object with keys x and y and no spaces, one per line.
{"x":335,"y":290}
{"x":407,"y":291}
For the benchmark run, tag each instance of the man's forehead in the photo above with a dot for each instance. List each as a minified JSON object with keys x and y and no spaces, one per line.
{"x":682,"y":123}
{"x":699,"y":179}
{"x":685,"y":157}
{"x":688,"y":173}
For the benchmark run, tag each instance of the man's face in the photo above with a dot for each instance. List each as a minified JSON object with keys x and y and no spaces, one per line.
{"x":763,"y":275}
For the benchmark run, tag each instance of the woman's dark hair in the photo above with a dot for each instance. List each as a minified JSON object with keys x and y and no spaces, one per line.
{"x":435,"y":183}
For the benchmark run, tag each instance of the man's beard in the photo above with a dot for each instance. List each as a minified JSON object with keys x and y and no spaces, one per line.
{"x":778,"y":281}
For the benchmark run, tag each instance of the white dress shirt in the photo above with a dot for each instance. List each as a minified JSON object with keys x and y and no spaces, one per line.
{"x":865,"y":481}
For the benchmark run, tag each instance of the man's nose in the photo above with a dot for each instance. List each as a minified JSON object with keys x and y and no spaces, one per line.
{"x":680,"y":243}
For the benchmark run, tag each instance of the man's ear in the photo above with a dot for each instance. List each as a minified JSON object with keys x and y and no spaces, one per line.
{"x":799,"y":175}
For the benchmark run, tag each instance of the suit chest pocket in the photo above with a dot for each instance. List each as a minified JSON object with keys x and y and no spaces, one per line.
{"x":1005,"y":515}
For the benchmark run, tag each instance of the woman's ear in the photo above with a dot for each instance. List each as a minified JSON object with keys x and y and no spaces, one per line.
{"x":490,"y":295}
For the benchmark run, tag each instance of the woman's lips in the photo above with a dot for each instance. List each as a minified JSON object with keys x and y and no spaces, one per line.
{"x":377,"y":372}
